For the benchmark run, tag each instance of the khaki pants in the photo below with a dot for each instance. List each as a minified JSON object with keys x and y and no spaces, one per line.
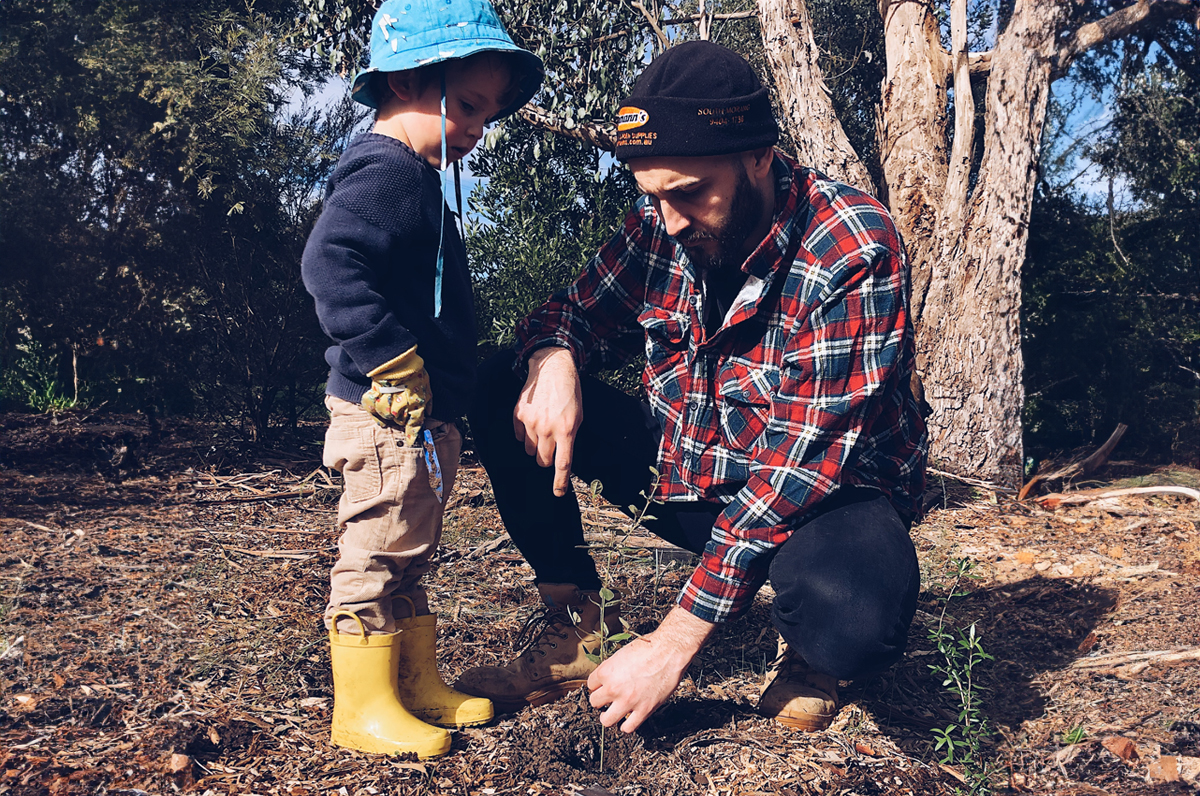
{"x":390,"y":517}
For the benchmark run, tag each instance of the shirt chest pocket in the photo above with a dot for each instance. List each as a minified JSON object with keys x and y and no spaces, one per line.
{"x":745,"y":402}
{"x":666,"y":334}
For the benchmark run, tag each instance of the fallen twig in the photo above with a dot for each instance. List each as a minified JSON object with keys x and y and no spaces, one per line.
{"x":500,"y":541}
{"x":297,"y":555}
{"x":1055,"y":500}
{"x":1160,"y":657}
{"x":967,"y":480}
{"x":275,"y":496}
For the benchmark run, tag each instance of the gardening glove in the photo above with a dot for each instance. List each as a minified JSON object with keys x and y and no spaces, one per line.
{"x":399,"y":394}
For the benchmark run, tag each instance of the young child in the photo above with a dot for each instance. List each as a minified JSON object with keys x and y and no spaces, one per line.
{"x":388,"y":271}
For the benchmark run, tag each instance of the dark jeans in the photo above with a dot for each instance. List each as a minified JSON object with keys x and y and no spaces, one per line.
{"x":845,"y":582}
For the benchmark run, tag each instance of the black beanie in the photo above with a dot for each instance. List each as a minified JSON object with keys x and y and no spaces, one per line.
{"x":697,"y":98}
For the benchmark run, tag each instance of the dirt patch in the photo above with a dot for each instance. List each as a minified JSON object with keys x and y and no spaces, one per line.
{"x":160,"y":632}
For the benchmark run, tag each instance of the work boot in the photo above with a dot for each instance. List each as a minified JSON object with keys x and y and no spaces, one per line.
{"x":797,"y":696}
{"x":421,"y":688}
{"x":553,"y":661}
{"x":367,"y":712}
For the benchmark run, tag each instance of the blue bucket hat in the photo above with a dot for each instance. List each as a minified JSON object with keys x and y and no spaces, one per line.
{"x":406,"y":34}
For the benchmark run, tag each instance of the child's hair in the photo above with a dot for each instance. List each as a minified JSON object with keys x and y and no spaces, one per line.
{"x":426,"y":76}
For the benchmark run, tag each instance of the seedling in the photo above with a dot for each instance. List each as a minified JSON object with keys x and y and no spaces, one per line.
{"x":963,"y":739}
{"x":610,"y":642}
{"x":1077,"y":734}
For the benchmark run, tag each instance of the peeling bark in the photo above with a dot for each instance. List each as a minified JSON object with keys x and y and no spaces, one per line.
{"x":913,"y":133}
{"x":807,"y":110}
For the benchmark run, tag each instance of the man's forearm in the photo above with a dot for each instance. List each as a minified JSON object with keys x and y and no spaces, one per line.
{"x":684,"y":632}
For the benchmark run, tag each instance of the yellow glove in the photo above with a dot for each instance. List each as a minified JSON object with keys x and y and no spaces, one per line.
{"x":399,"y":394}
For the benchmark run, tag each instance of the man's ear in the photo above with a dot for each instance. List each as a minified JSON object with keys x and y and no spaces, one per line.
{"x":760,"y":161}
{"x":403,"y":85}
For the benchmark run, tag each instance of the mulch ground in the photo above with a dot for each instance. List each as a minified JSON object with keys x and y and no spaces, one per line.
{"x":161,"y":593}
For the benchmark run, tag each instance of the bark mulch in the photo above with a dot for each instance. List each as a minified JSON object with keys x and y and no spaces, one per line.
{"x":161,"y":592}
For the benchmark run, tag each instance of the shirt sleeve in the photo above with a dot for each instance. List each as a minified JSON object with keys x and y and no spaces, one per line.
{"x":836,"y":370}
{"x":595,"y":317}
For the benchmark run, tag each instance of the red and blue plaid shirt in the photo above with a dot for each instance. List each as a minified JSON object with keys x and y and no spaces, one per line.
{"x":803,"y":389}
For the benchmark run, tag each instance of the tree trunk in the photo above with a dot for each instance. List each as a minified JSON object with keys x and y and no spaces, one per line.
{"x":820,"y":140}
{"x":913,"y":133}
{"x":966,"y":244}
{"x":969,"y":334}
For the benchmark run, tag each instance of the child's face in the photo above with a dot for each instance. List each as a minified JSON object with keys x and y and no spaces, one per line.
{"x":476,"y":89}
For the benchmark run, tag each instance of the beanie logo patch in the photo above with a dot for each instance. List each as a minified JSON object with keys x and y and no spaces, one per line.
{"x":629,"y":118}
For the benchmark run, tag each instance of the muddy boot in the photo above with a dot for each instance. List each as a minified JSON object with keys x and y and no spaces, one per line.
{"x":367,"y":712}
{"x":554,"y":660}
{"x":795,"y":695}
{"x":421,"y":688}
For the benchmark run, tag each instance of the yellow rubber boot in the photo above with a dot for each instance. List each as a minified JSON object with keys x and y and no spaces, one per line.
{"x":422,"y":689}
{"x":367,"y":712}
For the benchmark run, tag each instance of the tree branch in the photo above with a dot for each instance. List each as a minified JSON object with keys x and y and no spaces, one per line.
{"x":592,"y":134}
{"x":1119,"y":24}
{"x":662,"y":37}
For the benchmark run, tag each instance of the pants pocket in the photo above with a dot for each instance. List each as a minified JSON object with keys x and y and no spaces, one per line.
{"x":355,"y":453}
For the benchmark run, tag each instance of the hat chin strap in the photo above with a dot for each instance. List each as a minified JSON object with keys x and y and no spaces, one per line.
{"x":437,"y":279}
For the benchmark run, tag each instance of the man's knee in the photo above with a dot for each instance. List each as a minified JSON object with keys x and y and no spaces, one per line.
{"x":842,"y":637}
{"x":496,"y":393}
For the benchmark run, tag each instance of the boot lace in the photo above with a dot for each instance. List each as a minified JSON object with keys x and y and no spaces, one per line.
{"x":545,"y":622}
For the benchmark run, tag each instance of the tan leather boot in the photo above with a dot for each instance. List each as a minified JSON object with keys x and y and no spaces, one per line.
{"x":554,"y":660}
{"x":795,"y":695}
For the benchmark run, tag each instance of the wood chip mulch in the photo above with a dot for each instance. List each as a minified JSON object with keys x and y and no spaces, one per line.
{"x":161,"y":590}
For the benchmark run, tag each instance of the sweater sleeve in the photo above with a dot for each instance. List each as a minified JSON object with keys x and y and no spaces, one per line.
{"x":340,"y":269}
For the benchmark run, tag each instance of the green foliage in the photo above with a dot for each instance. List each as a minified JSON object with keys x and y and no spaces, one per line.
{"x":155,"y":193}
{"x":32,"y":381}
{"x":548,"y":204}
{"x":1077,"y":734}
{"x":1111,"y":310}
{"x":963,"y":740}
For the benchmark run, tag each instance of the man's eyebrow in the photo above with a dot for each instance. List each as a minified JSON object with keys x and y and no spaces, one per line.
{"x":685,"y":184}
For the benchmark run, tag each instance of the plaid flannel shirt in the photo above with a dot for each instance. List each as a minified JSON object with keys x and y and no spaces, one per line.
{"x":803,"y":389}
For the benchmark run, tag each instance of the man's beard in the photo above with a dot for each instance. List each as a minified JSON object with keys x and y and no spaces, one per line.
{"x":744,"y":213}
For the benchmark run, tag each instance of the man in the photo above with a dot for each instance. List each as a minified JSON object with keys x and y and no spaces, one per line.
{"x":772,"y":305}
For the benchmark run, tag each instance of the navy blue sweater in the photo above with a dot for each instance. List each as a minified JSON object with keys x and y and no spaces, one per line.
{"x":370,"y":263}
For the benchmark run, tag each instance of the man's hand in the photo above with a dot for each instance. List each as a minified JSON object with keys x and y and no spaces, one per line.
{"x":645,"y":672}
{"x":549,"y":411}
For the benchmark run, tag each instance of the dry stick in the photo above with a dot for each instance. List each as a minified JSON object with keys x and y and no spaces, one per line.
{"x":255,"y":498}
{"x":298,"y":555}
{"x":1162,"y":657}
{"x":967,"y":480}
{"x":1082,"y":468}
{"x":1055,"y":500}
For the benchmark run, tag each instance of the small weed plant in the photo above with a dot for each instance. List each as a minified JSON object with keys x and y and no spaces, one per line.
{"x":1077,"y":734}
{"x":962,"y":741}
{"x":32,"y":381}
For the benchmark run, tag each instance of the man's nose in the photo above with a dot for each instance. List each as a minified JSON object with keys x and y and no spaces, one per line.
{"x":672,"y":219}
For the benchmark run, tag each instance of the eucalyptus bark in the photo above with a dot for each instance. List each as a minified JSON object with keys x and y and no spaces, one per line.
{"x":803,"y":96}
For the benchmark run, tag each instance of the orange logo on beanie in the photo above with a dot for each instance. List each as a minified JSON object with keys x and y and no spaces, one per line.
{"x":630,"y":117}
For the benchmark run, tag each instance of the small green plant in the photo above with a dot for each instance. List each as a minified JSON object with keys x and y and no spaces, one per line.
{"x":1077,"y":734}
{"x":33,"y":381}
{"x":962,"y":741}
{"x":609,"y":642}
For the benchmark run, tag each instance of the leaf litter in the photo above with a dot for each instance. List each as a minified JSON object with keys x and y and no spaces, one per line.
{"x":161,"y":593}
